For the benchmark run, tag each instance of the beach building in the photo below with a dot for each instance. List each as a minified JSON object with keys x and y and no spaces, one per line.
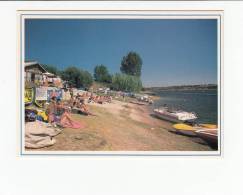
{"x":37,"y":75}
{"x":53,"y":80}
{"x":34,"y":73}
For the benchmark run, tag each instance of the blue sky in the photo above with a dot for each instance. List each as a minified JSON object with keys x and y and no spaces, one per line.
{"x":174,"y":51}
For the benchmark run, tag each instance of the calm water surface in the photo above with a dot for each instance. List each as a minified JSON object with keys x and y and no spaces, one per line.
{"x":203,"y":103}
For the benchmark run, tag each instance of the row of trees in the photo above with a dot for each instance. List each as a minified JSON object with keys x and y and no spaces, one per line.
{"x":101,"y":74}
{"x":76,"y":77}
{"x":127,"y":80}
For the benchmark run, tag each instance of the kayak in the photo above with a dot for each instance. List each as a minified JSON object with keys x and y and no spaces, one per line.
{"x":191,"y":129}
{"x":185,"y":129}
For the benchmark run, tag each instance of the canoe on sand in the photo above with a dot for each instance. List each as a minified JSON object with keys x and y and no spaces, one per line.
{"x":191,"y":130}
{"x":139,"y":103}
{"x":185,"y":129}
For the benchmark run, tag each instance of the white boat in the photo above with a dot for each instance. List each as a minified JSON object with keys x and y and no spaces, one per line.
{"x":176,"y":116}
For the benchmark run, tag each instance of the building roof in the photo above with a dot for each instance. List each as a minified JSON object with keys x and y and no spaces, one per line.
{"x":49,"y":74}
{"x":29,"y":64}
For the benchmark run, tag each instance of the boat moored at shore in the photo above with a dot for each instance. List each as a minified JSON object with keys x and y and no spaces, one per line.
{"x":175,"y":116}
{"x":191,"y":130}
{"x":208,"y":135}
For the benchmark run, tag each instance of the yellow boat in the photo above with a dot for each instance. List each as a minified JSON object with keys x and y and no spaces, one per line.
{"x":191,"y":129}
{"x":185,"y":129}
{"x":209,"y":126}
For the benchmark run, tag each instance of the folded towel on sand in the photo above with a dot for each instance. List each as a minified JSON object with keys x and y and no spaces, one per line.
{"x":39,"y":134}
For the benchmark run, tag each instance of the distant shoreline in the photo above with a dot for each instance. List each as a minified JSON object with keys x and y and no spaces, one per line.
{"x":181,"y":88}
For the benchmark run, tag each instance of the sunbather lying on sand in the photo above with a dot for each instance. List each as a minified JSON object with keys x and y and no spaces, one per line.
{"x":83,"y":108}
{"x":108,"y":99}
{"x":67,"y":121}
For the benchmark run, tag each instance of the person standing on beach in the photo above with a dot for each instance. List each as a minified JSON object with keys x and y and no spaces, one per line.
{"x":123,"y":96}
{"x":71,"y":92}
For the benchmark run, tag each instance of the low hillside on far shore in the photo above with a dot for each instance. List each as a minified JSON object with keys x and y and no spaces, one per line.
{"x":183,"y":87}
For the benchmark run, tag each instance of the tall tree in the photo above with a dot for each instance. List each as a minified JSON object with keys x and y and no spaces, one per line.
{"x":101,"y":74}
{"x":131,"y":64}
{"x":86,"y":79}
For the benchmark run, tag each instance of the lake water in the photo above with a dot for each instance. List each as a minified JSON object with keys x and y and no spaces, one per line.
{"x":203,"y":103}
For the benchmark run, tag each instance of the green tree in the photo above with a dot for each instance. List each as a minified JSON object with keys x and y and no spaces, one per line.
{"x":86,"y":79}
{"x":101,"y":74}
{"x":126,"y":82}
{"x":51,"y":69}
{"x":131,"y":64}
{"x":77,"y":77}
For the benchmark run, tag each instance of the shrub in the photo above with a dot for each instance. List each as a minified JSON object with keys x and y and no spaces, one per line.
{"x":126,"y":82}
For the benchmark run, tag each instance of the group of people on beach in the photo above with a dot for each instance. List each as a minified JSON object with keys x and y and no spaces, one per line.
{"x":78,"y":103}
{"x":59,"y":112}
{"x":99,"y":99}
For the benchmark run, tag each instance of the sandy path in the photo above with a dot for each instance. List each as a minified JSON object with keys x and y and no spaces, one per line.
{"x":121,"y":126}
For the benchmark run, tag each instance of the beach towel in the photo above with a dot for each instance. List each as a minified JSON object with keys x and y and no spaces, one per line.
{"x":39,"y":134}
{"x":71,"y":124}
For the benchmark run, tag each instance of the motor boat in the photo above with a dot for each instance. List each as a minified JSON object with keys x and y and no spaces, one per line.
{"x":176,"y":116}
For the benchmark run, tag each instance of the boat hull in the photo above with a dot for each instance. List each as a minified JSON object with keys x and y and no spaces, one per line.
{"x":185,"y":129}
{"x":167,"y":118}
{"x":185,"y":132}
{"x":210,"y":136}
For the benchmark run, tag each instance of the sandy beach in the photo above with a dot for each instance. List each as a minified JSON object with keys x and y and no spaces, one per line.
{"x":123,"y":126}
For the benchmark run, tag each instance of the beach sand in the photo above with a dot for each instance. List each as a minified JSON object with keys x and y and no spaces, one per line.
{"x":122,"y":126}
